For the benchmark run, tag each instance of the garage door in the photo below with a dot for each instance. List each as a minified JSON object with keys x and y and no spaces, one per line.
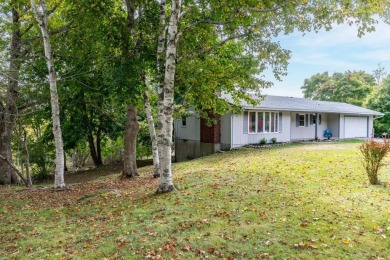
{"x":355,"y":127}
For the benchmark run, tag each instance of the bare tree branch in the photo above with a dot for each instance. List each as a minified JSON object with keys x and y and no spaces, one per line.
{"x":51,"y":11}
{"x":234,"y":15}
{"x":208,"y":50}
{"x":54,"y":32}
{"x":15,"y":169}
{"x":27,"y":29}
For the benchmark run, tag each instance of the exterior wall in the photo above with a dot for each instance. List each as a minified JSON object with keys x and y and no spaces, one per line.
{"x":190,"y":149}
{"x":210,"y":134}
{"x":324,"y":125}
{"x":239,"y":138}
{"x":334,"y":125}
{"x":189,"y":132}
{"x":342,"y":126}
{"x":371,"y":126}
{"x":308,"y":131}
{"x":226,"y":133}
{"x":196,"y":139}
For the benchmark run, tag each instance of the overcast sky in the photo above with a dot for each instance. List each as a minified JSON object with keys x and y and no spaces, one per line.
{"x":337,"y":50}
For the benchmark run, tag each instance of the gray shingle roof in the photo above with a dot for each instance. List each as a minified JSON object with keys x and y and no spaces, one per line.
{"x":305,"y":105}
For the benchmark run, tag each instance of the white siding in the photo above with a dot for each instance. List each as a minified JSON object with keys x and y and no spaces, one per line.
{"x":189,"y":132}
{"x":333,"y":124}
{"x":226,"y":135}
{"x":341,"y":122}
{"x":308,"y":131}
{"x":371,"y":126}
{"x":324,"y":125}
{"x":240,"y":139}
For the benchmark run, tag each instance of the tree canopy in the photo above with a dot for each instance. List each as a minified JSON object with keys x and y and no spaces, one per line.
{"x":350,"y":87}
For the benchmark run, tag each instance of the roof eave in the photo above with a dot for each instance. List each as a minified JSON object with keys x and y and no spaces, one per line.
{"x":314,"y":111}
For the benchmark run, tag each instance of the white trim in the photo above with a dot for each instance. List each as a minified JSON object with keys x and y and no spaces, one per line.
{"x":276,"y":123}
{"x":304,"y":120}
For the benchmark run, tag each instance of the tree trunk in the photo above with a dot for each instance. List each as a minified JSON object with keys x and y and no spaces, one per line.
{"x":130,"y":151}
{"x":99,"y":146}
{"x":160,"y":80}
{"x":9,"y":110}
{"x":65,"y":166}
{"x":166,"y":182}
{"x":28,"y":175}
{"x":95,"y":151}
{"x":42,"y":20}
{"x":152,"y":133}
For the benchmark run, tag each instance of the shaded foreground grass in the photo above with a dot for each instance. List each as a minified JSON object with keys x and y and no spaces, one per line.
{"x":309,"y":201}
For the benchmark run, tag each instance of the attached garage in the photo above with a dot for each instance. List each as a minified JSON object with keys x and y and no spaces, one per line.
{"x":355,"y":126}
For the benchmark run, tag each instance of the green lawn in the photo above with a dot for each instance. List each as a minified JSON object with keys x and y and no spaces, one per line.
{"x":310,"y":201}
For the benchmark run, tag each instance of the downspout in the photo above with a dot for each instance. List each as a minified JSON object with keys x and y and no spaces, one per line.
{"x":231,"y":130}
{"x":316,"y":128}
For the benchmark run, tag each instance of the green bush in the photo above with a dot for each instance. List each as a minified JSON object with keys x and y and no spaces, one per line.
{"x":263,"y":141}
{"x":373,"y":154}
{"x":273,"y":140}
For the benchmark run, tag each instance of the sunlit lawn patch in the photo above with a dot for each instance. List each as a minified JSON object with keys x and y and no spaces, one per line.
{"x":296,"y":201}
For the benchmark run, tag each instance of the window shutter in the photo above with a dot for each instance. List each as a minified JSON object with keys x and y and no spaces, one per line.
{"x":311,"y":119}
{"x":297,"y":120}
{"x":319,"y":119}
{"x":307,"y":119}
{"x":280,"y":122}
{"x":245,"y":122}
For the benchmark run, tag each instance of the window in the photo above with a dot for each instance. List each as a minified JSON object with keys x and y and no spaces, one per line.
{"x":313,"y":119}
{"x":266,"y":125}
{"x":252,"y":122}
{"x":184,"y":121}
{"x":301,"y":120}
{"x":263,"y":122}
{"x":260,"y":122}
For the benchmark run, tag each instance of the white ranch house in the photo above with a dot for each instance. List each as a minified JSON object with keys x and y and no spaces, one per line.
{"x":287,"y":119}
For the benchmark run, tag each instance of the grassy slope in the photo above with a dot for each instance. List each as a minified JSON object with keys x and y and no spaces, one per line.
{"x":298,"y":201}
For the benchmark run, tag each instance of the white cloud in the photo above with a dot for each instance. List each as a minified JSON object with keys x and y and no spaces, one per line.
{"x":342,"y":34}
{"x":375,"y":55}
{"x":337,"y":50}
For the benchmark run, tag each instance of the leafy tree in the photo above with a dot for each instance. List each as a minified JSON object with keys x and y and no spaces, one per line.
{"x":381,"y":102}
{"x":349,"y":87}
{"x":318,"y":87}
{"x":379,"y":74}
{"x":11,"y":23}
{"x":41,"y":15}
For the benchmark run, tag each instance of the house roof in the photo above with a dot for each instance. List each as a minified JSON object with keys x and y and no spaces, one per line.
{"x":304,"y":105}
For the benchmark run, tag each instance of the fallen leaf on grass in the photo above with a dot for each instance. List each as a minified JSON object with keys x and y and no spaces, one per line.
{"x":262,"y":256}
{"x":186,"y":248}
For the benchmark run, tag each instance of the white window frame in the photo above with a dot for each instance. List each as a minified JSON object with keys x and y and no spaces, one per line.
{"x":304,"y":120}
{"x":276,"y":123}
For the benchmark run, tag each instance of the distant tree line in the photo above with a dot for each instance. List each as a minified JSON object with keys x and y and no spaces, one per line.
{"x":370,"y":90}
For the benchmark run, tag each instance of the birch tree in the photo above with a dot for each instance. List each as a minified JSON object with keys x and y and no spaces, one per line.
{"x":41,"y":14}
{"x":156,"y":138}
{"x":152,"y":131}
